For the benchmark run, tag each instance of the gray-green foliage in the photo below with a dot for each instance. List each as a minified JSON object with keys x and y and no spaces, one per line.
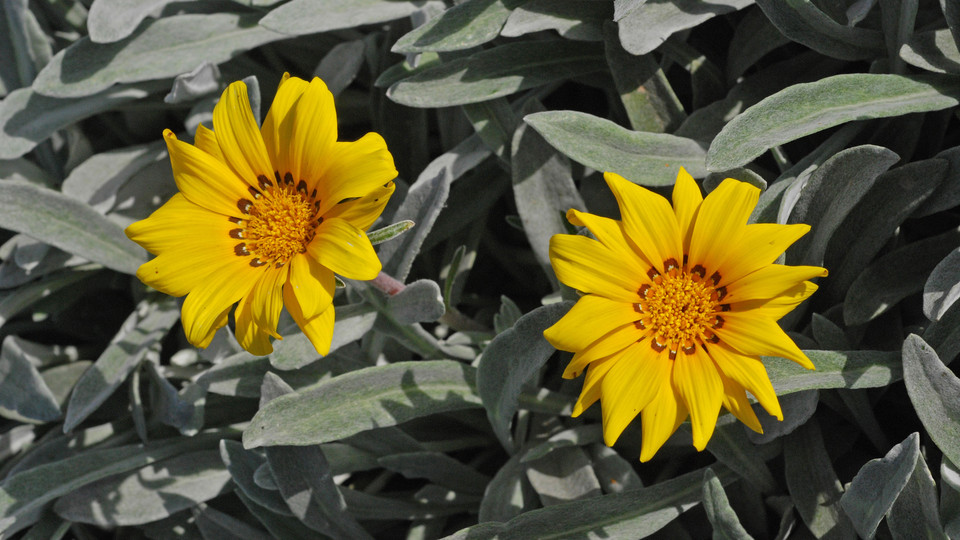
{"x":440,"y":410}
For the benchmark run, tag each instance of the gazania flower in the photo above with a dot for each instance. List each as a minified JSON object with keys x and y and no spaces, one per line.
{"x":679,"y":304}
{"x":266,"y":216}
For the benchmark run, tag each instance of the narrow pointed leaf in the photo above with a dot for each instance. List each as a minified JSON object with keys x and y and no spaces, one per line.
{"x":935,"y":393}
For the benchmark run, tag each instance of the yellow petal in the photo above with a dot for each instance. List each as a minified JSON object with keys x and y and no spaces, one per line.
{"x":587,"y":321}
{"x":345,"y":249}
{"x":355,"y":169}
{"x":178,"y":222}
{"x":756,"y":336}
{"x":218,"y":324}
{"x":314,"y":134}
{"x":770,"y":281}
{"x":277,"y":129}
{"x":761,"y":244}
{"x":239,"y":136}
{"x":721,"y":223}
{"x":749,"y":373}
{"x":735,"y":400}
{"x":649,"y":221}
{"x":660,"y":419}
{"x":699,"y":386}
{"x":319,"y":330}
{"x":629,"y":386}
{"x":266,"y":300}
{"x":251,"y":337}
{"x":313,"y":284}
{"x":203,"y":179}
{"x":206,"y":140}
{"x":777,"y":307}
{"x":363,"y":212}
{"x":223,"y":287}
{"x":614,"y":341}
{"x":611,"y":234}
{"x":590,"y":392}
{"x":588,"y":266}
{"x":686,"y":204}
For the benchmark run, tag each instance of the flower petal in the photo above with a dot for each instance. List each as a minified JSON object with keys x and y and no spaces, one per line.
{"x":251,"y":336}
{"x":587,"y":321}
{"x":748,"y":372}
{"x":770,"y":281}
{"x":721,"y":223}
{"x":735,"y":400}
{"x":354,"y":169}
{"x":590,"y":392}
{"x":699,"y":386}
{"x":206,"y":140}
{"x":319,"y":330}
{"x":266,"y":300}
{"x":220,"y":322}
{"x":761,"y":244}
{"x":630,"y":385}
{"x":203,"y":179}
{"x":222,"y":287}
{"x":660,"y":419}
{"x":649,"y":221}
{"x":277,"y":129}
{"x":686,"y":203}
{"x":345,"y":249}
{"x":363,"y":212}
{"x":239,"y":136}
{"x":314,"y":134}
{"x":611,"y":234}
{"x":754,"y":336}
{"x":613,"y":342}
{"x":777,"y":307}
{"x":586,"y":265}
{"x":180,"y":221}
{"x":313,"y":284}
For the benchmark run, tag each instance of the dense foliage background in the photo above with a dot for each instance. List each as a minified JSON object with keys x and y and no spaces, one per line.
{"x":441,"y":411}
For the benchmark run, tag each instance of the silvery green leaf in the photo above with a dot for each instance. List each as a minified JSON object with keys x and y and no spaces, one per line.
{"x":615,"y":473}
{"x":797,"y":408}
{"x":280,"y":526}
{"x":828,"y":335}
{"x":361,"y":400}
{"x":580,"y":20}
{"x":952,"y":14}
{"x":508,"y":494}
{"x":242,"y":465}
{"x":216,"y":524}
{"x":15,"y":439}
{"x":753,"y":38}
{"x":97,"y":180}
{"x":313,"y":16}
{"x":564,"y":475}
{"x":306,"y":484}
{"x":935,"y":393}
{"x":509,"y":361}
{"x":169,"y":407}
{"x":724,"y":520}
{"x":25,"y":46}
{"x":203,"y":80}
{"x":807,"y":108}
{"x":895,"y":276}
{"x":497,"y":72}
{"x":508,"y":315}
{"x":622,"y":8}
{"x":942,"y":288}
{"x":24,"y":396}
{"x":148,"y":494}
{"x":495,"y":123}
{"x":835,"y":369}
{"x":142,"y":330}
{"x":353,"y":321}
{"x":422,"y":205}
{"x":438,"y":468}
{"x":113,"y":20}
{"x":651,"y":159}
{"x":916,"y":508}
{"x":575,"y":436}
{"x":273,"y":387}
{"x":934,"y":50}
{"x":813,"y":484}
{"x":878,"y":484}
{"x":162,"y":49}
{"x":858,"y":11}
{"x":468,"y":24}
{"x":340,"y":66}
{"x":732,"y":447}
{"x":648,"y":25}
{"x":949,"y":497}
{"x":389,"y":232}
{"x":803,"y":22}
{"x":419,"y":301}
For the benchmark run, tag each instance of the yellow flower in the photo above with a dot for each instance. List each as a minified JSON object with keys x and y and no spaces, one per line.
{"x":679,"y":305}
{"x":266,"y":216}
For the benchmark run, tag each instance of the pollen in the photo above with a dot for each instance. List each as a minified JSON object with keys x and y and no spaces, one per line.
{"x":680,"y":308}
{"x":280,"y":222}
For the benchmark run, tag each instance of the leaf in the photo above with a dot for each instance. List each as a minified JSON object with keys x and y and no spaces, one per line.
{"x":353,"y":321}
{"x":24,"y":396}
{"x":154,"y":492}
{"x":496,"y":72}
{"x":419,"y":301}
{"x":835,"y":369}
{"x":422,"y":205}
{"x":934,"y":51}
{"x":797,"y":407}
{"x":580,"y":20}
{"x":564,"y":475}
{"x":509,"y":361}
{"x":389,"y":232}
{"x":915,"y":510}
{"x":242,"y":465}
{"x":935,"y":393}
{"x":361,"y":400}
{"x":113,"y":20}
{"x":575,"y":436}
{"x":142,"y":330}
{"x":279,"y":526}
{"x":97,"y":180}
{"x":162,"y":49}
{"x":648,"y":25}
{"x":725,"y":523}
{"x":438,"y":468}
{"x":731,"y":446}
{"x":878,"y":484}
{"x":803,"y":22}
{"x":807,"y":108}
{"x":508,"y":493}
{"x":204,"y":80}
{"x":753,"y":38}
{"x":465,"y":25}
{"x":216,"y":524}
{"x":312,"y":16}
{"x":942,"y":287}
{"x":651,"y":159}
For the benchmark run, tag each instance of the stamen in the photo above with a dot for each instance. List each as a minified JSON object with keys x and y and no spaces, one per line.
{"x":281,"y":222}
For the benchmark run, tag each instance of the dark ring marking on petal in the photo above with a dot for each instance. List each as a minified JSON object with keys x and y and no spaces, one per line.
{"x":302,"y":188}
{"x":279,"y":265}
{"x":644,"y":289}
{"x":639,"y":325}
{"x":699,"y":270}
{"x":672,"y":354}
{"x":656,"y":345}
{"x":689,"y":349}
{"x":253,"y":191}
{"x":711,"y":337}
{"x":721,"y":293}
{"x":313,"y":195}
{"x":256,"y":262}
{"x":653,"y":273}
{"x":236,"y":233}
{"x":244,"y":205}
{"x":240,"y":250}
{"x":276,"y":175}
{"x":316,"y":206}
{"x":724,"y":307}
{"x":670,"y":264}
{"x":236,"y":220}
{"x":288,"y":179}
{"x":715,"y":278}
{"x":264,"y":182}
{"x":718,"y":322}
{"x":686,"y":259}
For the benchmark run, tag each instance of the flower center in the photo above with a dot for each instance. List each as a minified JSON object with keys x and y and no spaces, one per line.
{"x":679,"y":309}
{"x":278,"y":223}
